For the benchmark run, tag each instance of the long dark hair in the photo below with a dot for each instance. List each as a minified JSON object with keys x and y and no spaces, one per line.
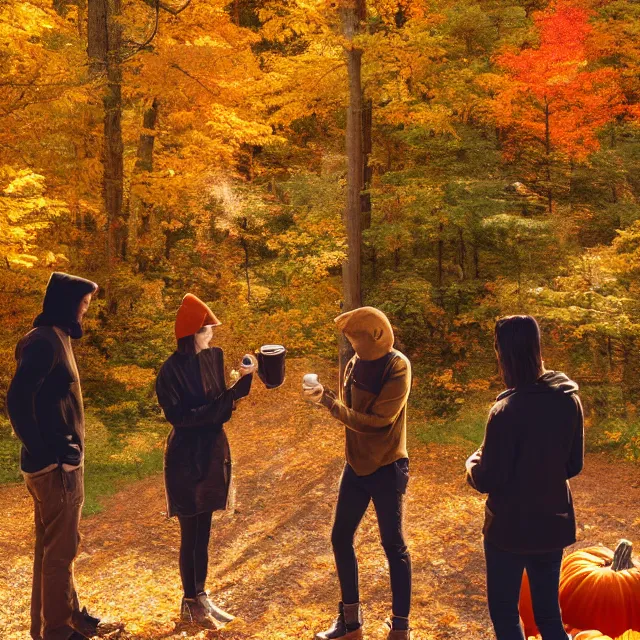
{"x":517,"y":342}
{"x":187,"y":344}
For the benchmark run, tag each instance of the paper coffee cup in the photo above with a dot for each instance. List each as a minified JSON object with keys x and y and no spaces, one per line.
{"x":310,"y":380}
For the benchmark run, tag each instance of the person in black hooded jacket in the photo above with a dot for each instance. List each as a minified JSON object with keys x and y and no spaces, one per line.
{"x":44,"y":402}
{"x":533,"y":444}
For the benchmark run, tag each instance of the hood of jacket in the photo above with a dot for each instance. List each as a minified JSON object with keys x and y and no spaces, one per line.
{"x":61,"y":301}
{"x":369,"y":332}
{"x":549,"y":382}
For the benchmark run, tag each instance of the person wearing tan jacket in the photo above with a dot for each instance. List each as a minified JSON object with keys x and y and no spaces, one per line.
{"x":372,"y":405}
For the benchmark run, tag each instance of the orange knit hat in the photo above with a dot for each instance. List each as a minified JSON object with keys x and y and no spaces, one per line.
{"x":193,"y":314}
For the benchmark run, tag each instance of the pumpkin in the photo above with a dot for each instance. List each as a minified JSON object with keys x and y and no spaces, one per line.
{"x":595,"y":635}
{"x":599,"y":589}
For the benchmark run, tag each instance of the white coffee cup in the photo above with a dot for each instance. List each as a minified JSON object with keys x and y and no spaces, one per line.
{"x":310,"y":380}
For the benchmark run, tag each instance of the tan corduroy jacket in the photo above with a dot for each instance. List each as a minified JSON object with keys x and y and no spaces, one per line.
{"x":376,"y":426}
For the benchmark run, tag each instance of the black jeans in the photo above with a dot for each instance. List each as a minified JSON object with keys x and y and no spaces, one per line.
{"x":504,"y":577}
{"x":194,"y":552}
{"x":386,"y":488}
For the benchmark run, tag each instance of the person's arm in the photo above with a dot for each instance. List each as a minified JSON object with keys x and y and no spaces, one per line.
{"x":35,"y":364}
{"x":216,"y":412}
{"x":386,"y":407}
{"x":490,"y":467}
{"x":576,"y":455}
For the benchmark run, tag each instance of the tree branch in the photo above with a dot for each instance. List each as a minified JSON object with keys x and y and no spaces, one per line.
{"x":149,"y":40}
{"x":175,"y":65}
{"x":167,"y":8}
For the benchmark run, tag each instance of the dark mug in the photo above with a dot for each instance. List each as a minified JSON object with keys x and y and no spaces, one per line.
{"x":271,"y":361}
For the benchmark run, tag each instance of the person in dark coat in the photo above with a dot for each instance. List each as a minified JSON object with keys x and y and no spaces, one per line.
{"x":533,"y":444}
{"x":44,"y":402}
{"x":192,"y":392}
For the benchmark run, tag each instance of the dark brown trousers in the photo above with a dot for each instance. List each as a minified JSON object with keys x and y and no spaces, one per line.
{"x":58,"y":497}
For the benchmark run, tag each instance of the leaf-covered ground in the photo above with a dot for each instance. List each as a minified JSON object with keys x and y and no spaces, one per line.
{"x":270,"y":558}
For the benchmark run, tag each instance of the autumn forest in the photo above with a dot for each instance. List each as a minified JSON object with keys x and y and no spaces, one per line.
{"x":448,"y":162}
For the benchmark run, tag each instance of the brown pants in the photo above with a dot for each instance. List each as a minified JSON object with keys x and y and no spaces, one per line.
{"x":58,"y":497}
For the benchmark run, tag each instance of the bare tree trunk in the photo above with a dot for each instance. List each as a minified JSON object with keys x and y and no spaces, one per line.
{"x":139,"y":210}
{"x":547,"y":146}
{"x":367,"y":147}
{"x":476,"y":263}
{"x":352,"y":14}
{"x":245,"y":248}
{"x":103,"y":46}
{"x":462,"y":253}
{"x":144,"y":160}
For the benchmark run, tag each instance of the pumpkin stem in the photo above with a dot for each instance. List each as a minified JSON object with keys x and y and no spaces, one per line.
{"x":622,"y":557}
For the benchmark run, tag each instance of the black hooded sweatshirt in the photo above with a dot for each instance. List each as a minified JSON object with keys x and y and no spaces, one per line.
{"x":44,"y":400}
{"x":534,"y":442}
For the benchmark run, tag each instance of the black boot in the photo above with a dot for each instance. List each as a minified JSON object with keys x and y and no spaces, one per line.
{"x":348,"y":624}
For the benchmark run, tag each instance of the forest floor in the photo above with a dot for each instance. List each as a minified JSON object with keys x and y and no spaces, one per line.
{"x":270,"y":557}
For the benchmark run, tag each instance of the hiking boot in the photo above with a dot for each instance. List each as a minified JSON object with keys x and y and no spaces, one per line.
{"x":348,"y":624}
{"x":84,"y":624}
{"x":87,"y":626}
{"x":398,"y":634}
{"x":216,"y":612}
{"x":193,"y":612}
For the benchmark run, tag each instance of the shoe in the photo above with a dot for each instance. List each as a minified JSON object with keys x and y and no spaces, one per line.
{"x":216,"y":612}
{"x":397,"y":634}
{"x":192,"y":611}
{"x":87,"y":626}
{"x":84,"y":624}
{"x":349,"y":614}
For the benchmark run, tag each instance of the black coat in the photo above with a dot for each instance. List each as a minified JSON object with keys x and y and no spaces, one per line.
{"x":44,"y":400}
{"x":534,"y":442}
{"x":192,"y":392}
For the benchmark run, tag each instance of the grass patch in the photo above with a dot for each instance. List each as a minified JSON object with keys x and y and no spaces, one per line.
{"x":617,"y":436}
{"x":465,"y":427}
{"x":113,"y":458}
{"x":9,"y":454}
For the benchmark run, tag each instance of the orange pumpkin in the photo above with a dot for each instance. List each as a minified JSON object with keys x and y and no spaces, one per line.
{"x":576,"y":634}
{"x":599,"y":589}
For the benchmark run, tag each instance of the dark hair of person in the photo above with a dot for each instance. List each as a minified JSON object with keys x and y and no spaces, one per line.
{"x":517,"y":342}
{"x":187,"y":345}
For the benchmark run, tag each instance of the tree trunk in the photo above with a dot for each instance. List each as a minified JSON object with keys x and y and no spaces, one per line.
{"x":144,"y":160}
{"x":367,"y":147}
{"x":440,"y":251}
{"x":462,"y":253}
{"x":139,"y":210}
{"x":103,"y":46}
{"x":476,"y":263}
{"x":547,"y":146}
{"x":352,"y":15}
{"x":245,"y":248}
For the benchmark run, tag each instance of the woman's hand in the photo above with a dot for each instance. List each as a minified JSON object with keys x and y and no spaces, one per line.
{"x":246,"y":369}
{"x":313,"y":394}
{"x":473,"y":460}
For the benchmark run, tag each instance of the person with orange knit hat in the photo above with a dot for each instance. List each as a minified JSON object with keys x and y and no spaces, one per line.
{"x":192,"y":392}
{"x":372,"y":406}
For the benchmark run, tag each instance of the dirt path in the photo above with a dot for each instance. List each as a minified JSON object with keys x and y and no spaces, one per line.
{"x":271,"y":561}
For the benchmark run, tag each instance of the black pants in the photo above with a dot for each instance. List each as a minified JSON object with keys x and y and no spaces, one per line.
{"x":194,"y":552}
{"x":386,"y":488}
{"x":504,"y":577}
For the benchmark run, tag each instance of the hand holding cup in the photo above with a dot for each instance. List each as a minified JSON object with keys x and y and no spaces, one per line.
{"x":312,"y":388}
{"x":248,"y":365}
